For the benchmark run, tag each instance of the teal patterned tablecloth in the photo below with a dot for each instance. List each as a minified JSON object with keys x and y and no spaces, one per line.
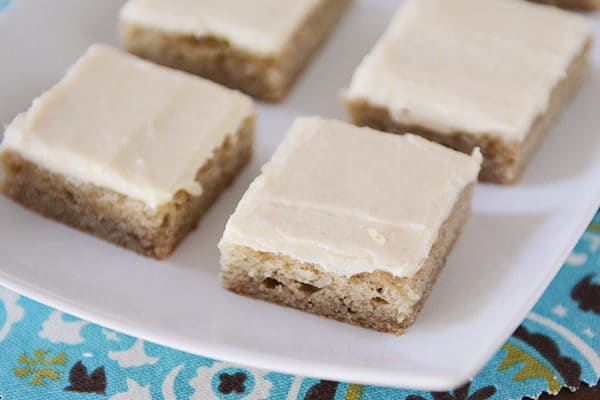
{"x":46,"y":354}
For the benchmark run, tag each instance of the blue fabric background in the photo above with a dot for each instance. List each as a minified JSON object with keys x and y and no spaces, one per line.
{"x":45,"y":354}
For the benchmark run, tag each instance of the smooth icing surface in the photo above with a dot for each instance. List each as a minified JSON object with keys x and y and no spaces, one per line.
{"x":259,"y":26}
{"x":351,"y":199}
{"x":128,"y":125}
{"x":475,"y":66}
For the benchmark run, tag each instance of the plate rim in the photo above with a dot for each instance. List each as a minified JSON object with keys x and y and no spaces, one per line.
{"x":440,"y":380}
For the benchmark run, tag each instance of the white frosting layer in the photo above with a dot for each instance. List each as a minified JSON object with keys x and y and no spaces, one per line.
{"x":476,"y":66}
{"x":259,"y":26}
{"x":128,"y":125}
{"x":351,"y":199}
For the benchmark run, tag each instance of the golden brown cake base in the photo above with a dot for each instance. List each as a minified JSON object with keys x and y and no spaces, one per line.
{"x":503,"y":161}
{"x":263,"y":77}
{"x":376,"y":300}
{"x":583,"y":5}
{"x":118,"y":218}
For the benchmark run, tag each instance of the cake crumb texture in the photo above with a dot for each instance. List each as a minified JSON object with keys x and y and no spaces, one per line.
{"x":510,"y":68}
{"x":127,"y":222}
{"x":266,"y":76}
{"x":583,"y":5}
{"x":376,"y":300}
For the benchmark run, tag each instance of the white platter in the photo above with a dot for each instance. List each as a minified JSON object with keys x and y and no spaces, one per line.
{"x":515,"y":242}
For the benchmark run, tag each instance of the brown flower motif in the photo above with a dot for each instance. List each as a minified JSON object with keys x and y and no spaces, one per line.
{"x":461,"y":393}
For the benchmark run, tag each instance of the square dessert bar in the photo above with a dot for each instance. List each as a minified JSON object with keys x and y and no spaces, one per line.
{"x":130,"y":151}
{"x":584,"y":5}
{"x":349,"y":223}
{"x":492,"y":74}
{"x":257,"y":46}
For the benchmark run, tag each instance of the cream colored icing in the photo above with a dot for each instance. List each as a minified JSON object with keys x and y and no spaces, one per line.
{"x":351,"y":199}
{"x":259,"y":26}
{"x":128,"y":125}
{"x":476,"y":66}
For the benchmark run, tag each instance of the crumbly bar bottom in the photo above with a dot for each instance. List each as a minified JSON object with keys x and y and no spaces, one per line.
{"x":376,"y":300}
{"x":264,"y":77}
{"x":120,"y":219}
{"x":583,"y":5}
{"x":503,"y":161}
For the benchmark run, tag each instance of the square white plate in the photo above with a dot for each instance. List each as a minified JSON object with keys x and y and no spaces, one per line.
{"x":516,"y":240}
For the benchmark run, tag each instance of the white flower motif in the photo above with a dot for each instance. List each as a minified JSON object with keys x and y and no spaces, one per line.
{"x":135,"y":356}
{"x":110,"y":335}
{"x":168,"y":386}
{"x":14,"y":312}
{"x":222,"y":379}
{"x":560,"y":310}
{"x":57,"y":330}
{"x":576,"y":259}
{"x":594,"y":240}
